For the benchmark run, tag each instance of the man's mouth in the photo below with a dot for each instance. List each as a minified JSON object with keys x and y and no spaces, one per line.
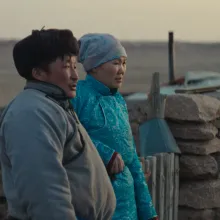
{"x":73,"y":87}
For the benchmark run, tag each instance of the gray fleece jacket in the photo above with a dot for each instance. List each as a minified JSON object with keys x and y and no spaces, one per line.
{"x":50,"y":167}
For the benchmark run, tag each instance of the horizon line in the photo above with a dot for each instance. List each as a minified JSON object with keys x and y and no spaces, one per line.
{"x":141,"y":41}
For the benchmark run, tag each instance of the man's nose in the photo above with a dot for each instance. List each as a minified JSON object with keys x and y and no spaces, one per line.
{"x":75,"y":74}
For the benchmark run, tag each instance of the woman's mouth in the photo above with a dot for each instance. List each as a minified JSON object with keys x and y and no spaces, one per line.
{"x":118,"y":80}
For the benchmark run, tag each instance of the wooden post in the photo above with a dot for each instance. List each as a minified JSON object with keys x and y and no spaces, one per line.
{"x":163,"y":183}
{"x":171,"y":57}
{"x":156,"y":101}
{"x":176,"y":188}
{"x":167,"y":165}
{"x":160,"y":186}
{"x":153,"y":165}
{"x":171,"y":205}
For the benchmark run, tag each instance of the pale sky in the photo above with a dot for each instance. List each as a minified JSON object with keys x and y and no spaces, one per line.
{"x":191,"y":20}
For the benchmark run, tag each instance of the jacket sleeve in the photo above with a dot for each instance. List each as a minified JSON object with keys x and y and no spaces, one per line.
{"x":105,"y":152}
{"x":145,"y":206}
{"x":35,"y":149}
{"x":83,"y":109}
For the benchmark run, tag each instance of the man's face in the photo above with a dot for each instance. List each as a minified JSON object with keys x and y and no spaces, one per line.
{"x":63,"y":73}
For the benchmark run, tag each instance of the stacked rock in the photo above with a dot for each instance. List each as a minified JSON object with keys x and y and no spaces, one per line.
{"x":193,"y":120}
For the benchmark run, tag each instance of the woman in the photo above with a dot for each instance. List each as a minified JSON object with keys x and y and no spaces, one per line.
{"x":103,"y":112}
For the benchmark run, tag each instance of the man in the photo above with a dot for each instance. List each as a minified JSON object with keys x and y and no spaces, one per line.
{"x":51,"y":170}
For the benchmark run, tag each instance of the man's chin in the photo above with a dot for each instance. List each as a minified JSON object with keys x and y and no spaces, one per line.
{"x":71,"y":94}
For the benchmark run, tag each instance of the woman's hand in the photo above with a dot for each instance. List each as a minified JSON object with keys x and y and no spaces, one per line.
{"x":147,"y":175}
{"x":118,"y":165}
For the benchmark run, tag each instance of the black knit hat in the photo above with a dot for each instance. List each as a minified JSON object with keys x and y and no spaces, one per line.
{"x":41,"y":48}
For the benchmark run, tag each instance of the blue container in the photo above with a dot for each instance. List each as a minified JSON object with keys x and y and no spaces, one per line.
{"x":156,"y":137}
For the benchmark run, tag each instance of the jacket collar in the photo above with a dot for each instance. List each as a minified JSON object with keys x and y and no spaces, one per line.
{"x":47,"y":88}
{"x":100,"y":87}
{"x":51,"y":91}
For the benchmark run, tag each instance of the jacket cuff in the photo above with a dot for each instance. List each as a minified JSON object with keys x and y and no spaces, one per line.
{"x":155,"y":218}
{"x":110,"y":163}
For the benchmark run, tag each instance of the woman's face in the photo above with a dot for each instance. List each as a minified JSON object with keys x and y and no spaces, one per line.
{"x":111,"y":73}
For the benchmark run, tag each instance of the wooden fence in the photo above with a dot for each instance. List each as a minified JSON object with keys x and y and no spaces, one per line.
{"x":163,"y":183}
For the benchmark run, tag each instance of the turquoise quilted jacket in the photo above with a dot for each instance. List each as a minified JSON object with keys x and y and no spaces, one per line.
{"x":104,"y":115}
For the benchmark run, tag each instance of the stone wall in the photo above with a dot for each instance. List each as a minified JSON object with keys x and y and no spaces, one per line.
{"x":193,"y":120}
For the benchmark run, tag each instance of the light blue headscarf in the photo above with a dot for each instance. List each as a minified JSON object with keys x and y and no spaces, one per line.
{"x":96,"y":49}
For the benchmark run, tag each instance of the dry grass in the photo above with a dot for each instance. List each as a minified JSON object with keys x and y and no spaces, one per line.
{"x":143,"y":60}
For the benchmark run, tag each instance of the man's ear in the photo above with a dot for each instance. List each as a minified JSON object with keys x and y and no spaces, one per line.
{"x":38,"y":74}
